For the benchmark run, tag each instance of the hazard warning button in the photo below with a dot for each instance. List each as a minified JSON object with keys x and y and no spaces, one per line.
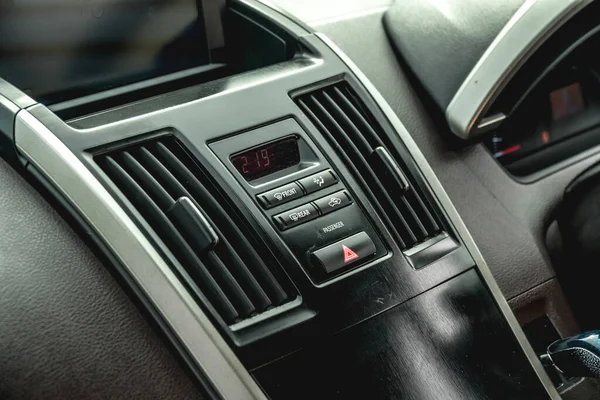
{"x":345,"y":252}
{"x":349,"y":254}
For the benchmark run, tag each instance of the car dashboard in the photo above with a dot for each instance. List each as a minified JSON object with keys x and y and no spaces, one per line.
{"x":244,"y":200}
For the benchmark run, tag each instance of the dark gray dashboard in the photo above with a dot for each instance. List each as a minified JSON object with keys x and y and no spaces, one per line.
{"x":61,"y":307}
{"x":506,"y":218}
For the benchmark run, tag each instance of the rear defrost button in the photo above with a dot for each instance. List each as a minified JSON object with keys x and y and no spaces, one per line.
{"x":296,"y":216}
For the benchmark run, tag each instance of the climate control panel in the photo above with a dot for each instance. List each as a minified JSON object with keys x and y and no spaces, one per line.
{"x":307,"y":202}
{"x":295,"y":190}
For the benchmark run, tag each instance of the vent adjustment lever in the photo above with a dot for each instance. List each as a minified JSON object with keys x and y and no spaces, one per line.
{"x":193,"y":224}
{"x":386,"y":161}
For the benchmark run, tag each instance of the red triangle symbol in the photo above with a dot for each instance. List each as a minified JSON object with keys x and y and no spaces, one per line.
{"x":349,"y":254}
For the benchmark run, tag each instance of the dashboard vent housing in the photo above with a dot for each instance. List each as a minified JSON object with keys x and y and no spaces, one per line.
{"x":237,"y":274}
{"x":359,"y":140}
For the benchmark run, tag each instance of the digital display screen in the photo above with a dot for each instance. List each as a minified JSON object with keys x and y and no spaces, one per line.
{"x":56,"y":50}
{"x":267,"y":159}
{"x":551,"y":125}
{"x":567,"y":101}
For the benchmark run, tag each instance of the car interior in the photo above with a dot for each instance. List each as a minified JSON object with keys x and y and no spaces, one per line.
{"x":299,"y":199}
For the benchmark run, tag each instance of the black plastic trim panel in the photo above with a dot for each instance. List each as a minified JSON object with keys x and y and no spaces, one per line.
{"x":202,"y":114}
{"x":196,"y":122}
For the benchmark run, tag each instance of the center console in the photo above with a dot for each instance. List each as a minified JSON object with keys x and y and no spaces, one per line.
{"x":278,"y":223}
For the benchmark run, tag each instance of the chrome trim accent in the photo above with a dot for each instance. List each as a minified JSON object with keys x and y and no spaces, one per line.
{"x":451,"y":212}
{"x":102,"y":212}
{"x":489,"y":123}
{"x":15,"y":96}
{"x":531,"y":25}
{"x":204,"y":221}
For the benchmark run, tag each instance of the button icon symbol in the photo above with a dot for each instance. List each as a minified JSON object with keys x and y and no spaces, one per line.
{"x":319,"y":181}
{"x":335,"y":201}
{"x":297,"y":216}
{"x":349,"y":254}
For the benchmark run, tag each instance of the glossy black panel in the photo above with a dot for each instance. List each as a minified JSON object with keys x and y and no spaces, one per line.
{"x":201,"y":117}
{"x":449,"y":343}
{"x":363,"y":292}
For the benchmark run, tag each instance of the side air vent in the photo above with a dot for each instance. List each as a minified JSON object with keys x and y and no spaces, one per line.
{"x":352,"y":131}
{"x":235,"y":271}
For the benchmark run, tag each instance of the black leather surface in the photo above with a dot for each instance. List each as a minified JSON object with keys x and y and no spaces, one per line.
{"x":442,"y":41}
{"x":67,"y":329}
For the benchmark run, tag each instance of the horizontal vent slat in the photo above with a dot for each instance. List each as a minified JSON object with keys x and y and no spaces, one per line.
{"x":399,"y":221}
{"x":213,"y":207}
{"x":238,"y":276}
{"x":143,"y":202}
{"x":240,"y":273}
{"x":249,"y":283}
{"x":419,"y":229}
{"x":365,"y":126}
{"x":339,"y":150}
{"x":231,"y":286}
{"x":148,"y":182}
{"x":166,"y":178}
{"x":433,"y":225}
{"x":343,"y":119}
{"x":353,"y":131}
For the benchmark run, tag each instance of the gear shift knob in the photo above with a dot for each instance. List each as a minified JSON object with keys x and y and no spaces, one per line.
{"x":578,"y":356}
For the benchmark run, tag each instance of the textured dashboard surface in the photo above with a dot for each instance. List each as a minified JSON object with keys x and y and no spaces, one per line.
{"x":60,"y":307}
{"x":507,"y":219}
{"x":319,"y":11}
{"x":464,"y":27}
{"x":67,"y":329}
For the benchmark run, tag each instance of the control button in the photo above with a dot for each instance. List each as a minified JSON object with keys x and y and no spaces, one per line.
{"x":296,"y":216}
{"x":333,"y":202}
{"x":345,"y":252}
{"x":318,"y":181}
{"x":280,"y":195}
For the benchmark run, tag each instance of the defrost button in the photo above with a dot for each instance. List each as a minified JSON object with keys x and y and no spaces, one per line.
{"x":296,"y":216}
{"x":318,"y":181}
{"x":280,"y":195}
{"x":333,"y":202}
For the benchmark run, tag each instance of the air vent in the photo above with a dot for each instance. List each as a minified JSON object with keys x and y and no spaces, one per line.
{"x":235,"y":271}
{"x":352,"y":131}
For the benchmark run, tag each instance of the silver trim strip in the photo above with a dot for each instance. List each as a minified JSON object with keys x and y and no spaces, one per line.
{"x":79,"y":186}
{"x":531,"y":25}
{"x":489,"y":123}
{"x":447,"y":205}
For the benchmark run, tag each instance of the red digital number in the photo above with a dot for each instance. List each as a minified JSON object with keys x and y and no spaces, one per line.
{"x":245,"y":165}
{"x":257,"y":156}
{"x":265,"y":155}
